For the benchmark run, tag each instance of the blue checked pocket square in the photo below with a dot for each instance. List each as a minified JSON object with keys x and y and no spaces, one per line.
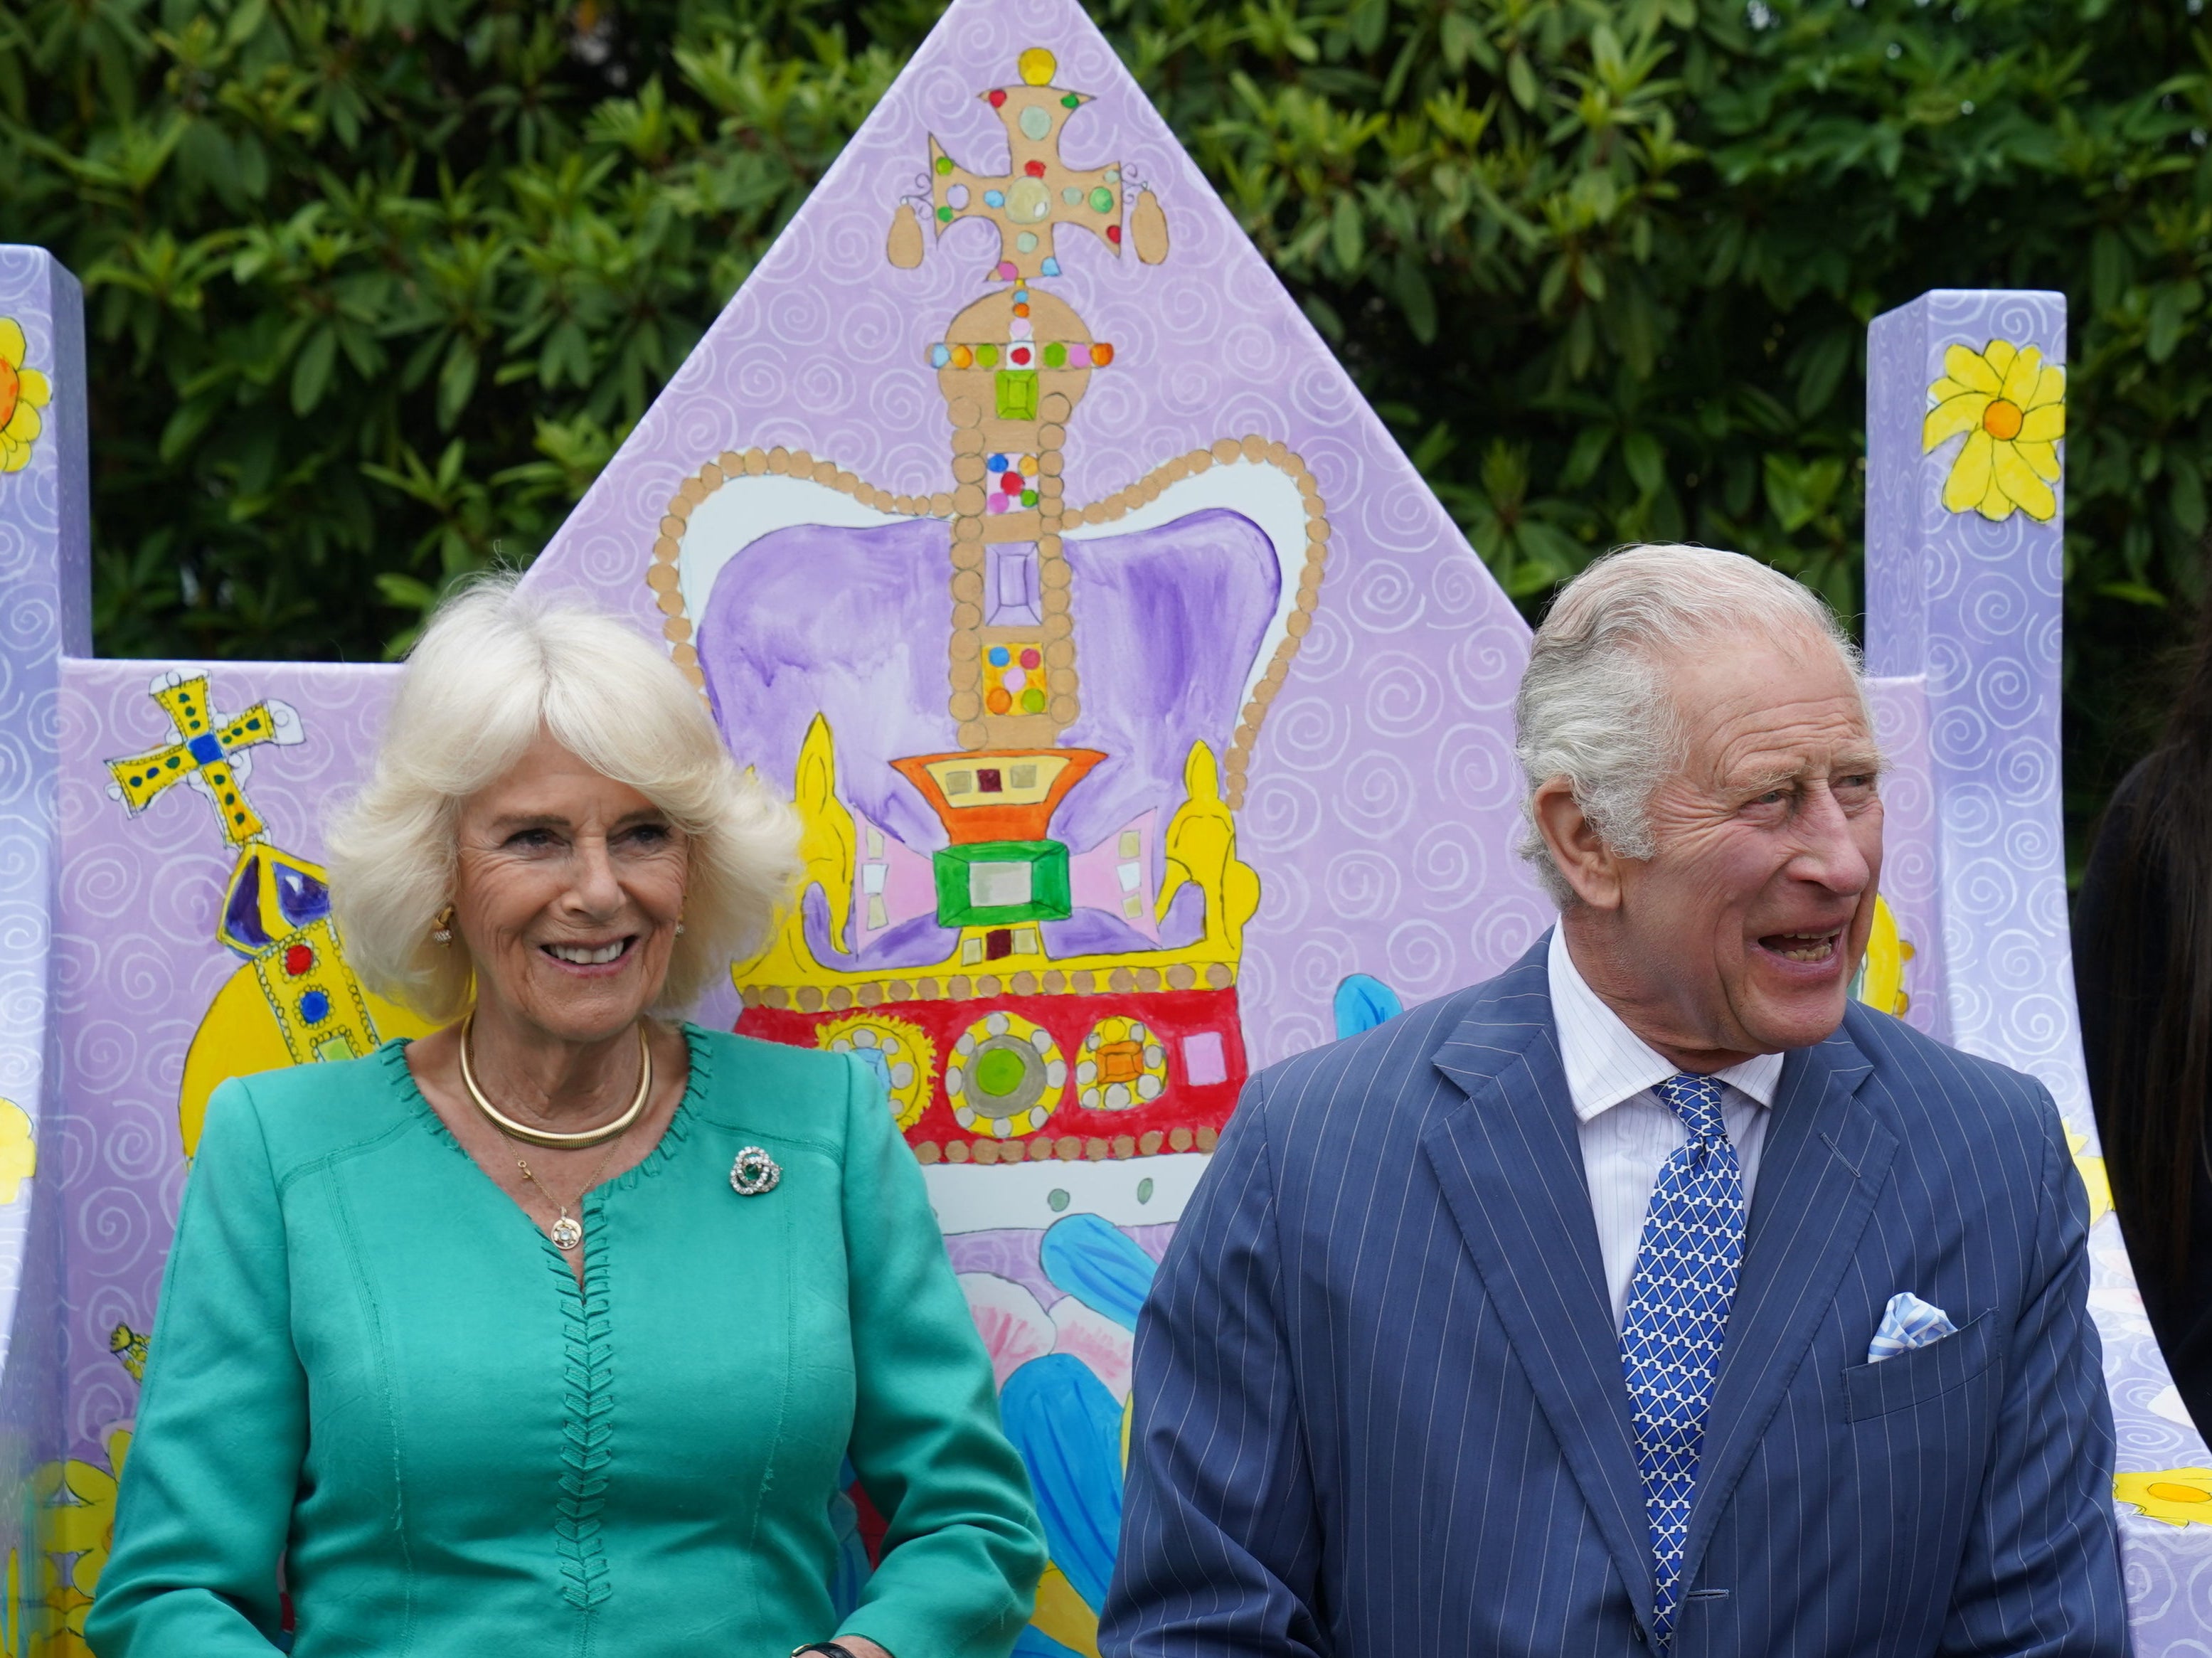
{"x":1909,"y":1322}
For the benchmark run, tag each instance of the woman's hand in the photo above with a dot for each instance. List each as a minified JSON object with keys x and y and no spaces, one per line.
{"x":861,"y":1646}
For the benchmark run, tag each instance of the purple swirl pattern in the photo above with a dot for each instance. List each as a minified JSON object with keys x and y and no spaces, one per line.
{"x":45,"y":528}
{"x":1963,"y":637}
{"x":137,"y":964}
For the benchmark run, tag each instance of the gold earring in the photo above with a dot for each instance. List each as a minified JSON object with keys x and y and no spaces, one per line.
{"x":679,"y":920}
{"x":441,"y":926}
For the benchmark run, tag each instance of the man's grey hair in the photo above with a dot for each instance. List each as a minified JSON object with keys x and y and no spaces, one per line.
{"x":1593,"y":707}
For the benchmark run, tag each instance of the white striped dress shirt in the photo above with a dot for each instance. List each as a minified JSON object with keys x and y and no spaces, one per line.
{"x":1627,"y":1131}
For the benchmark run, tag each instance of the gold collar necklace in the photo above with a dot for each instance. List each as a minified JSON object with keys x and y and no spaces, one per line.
{"x":546,"y":1137}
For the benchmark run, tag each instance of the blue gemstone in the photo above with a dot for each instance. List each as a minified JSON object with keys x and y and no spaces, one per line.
{"x":314,"y":1007}
{"x":995,"y":198}
{"x":939,"y":356}
{"x":1050,"y":267}
{"x":206,"y":749}
{"x":997,"y":462}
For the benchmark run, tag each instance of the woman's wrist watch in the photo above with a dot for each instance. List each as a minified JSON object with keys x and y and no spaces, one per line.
{"x":827,"y":1648}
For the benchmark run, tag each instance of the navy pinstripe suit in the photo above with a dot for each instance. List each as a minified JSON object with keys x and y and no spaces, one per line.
{"x":1379,"y":1404}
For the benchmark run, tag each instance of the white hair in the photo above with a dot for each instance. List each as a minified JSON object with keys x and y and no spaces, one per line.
{"x":1593,"y":705}
{"x":497,"y":666}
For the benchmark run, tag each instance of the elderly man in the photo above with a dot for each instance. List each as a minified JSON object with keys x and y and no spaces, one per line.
{"x":1654,"y":1296}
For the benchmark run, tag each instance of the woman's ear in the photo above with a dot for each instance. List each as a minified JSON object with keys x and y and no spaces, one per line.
{"x":1580,"y":852}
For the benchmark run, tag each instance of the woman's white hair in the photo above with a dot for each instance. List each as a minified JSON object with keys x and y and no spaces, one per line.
{"x":498,"y":665}
{"x":1593,"y":707}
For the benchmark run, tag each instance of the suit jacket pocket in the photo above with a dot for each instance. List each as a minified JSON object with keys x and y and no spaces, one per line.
{"x":1922,"y":1373}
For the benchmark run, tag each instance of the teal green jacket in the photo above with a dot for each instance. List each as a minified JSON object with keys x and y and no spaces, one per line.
{"x":372,"y":1373}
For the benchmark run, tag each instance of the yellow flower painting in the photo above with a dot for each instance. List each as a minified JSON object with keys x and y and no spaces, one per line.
{"x":2012,"y":407}
{"x":2175,"y":1497}
{"x":23,"y":392}
{"x":19,"y":1150}
{"x":84,"y":1525}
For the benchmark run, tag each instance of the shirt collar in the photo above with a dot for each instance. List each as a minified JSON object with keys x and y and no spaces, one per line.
{"x":1605,"y":1062}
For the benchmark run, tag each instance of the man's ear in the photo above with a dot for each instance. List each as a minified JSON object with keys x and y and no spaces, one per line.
{"x":1576,"y":848}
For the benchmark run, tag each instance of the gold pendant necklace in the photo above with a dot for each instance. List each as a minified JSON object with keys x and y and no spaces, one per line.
{"x":568,"y":1232}
{"x":546,"y":1137}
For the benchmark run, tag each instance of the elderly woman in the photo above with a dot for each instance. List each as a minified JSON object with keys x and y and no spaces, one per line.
{"x":554,"y":1332}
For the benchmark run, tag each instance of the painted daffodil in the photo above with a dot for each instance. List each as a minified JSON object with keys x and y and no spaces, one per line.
{"x":23,"y":392}
{"x":2012,"y":407}
{"x":2176,"y":1496}
{"x":85,"y":1526}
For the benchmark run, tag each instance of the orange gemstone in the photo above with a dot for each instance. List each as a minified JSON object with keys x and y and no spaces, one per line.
{"x":2001,"y":420}
{"x":1120,"y":1062}
{"x":11,"y":385}
{"x":1102,"y":354}
{"x":997,"y":700}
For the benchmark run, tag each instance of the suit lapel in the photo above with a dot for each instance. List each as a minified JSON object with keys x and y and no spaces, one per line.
{"x":1510,"y":1165}
{"x":1824,"y":1162}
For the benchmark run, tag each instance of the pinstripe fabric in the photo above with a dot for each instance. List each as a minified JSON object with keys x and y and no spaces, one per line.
{"x":1379,"y":1409}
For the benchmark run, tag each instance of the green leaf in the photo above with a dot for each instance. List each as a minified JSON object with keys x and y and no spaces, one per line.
{"x":1823,"y":370}
{"x":1521,"y":80}
{"x":457,"y":380}
{"x":1646,"y":462}
{"x":310,"y":369}
{"x":1415,"y":297}
{"x":2170,"y":306}
{"x":1346,"y":234}
{"x":2186,"y":494}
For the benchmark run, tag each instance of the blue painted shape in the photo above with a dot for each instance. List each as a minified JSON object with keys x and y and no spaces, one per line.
{"x":206,"y":749}
{"x":301,"y":896}
{"x":1068,"y":1429}
{"x":1095,"y":1261}
{"x":1364,"y":1002}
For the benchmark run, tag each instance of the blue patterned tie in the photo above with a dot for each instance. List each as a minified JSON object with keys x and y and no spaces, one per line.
{"x":1677,"y":1318}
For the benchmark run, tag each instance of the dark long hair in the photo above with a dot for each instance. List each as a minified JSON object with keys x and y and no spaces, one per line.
{"x":2151,"y":1097}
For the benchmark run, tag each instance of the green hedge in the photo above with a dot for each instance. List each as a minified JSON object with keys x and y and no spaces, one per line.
{"x":375,"y":286}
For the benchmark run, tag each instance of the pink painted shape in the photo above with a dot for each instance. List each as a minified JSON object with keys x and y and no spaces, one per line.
{"x":1094,"y":879}
{"x":1015,"y":1329}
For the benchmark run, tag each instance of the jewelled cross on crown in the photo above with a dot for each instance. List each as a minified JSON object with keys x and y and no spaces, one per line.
{"x":1039,"y":192}
{"x":205,"y":743}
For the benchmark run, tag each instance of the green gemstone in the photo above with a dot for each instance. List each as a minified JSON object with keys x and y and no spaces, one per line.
{"x":1029,"y":497}
{"x":998,"y":1073}
{"x":1032,"y":702}
{"x":986,"y":356}
{"x":1101,"y":200}
{"x":1016,"y":393}
{"x":1056,"y":355}
{"x":1071,"y":101}
{"x":945,"y":216}
{"x":944,"y":165}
